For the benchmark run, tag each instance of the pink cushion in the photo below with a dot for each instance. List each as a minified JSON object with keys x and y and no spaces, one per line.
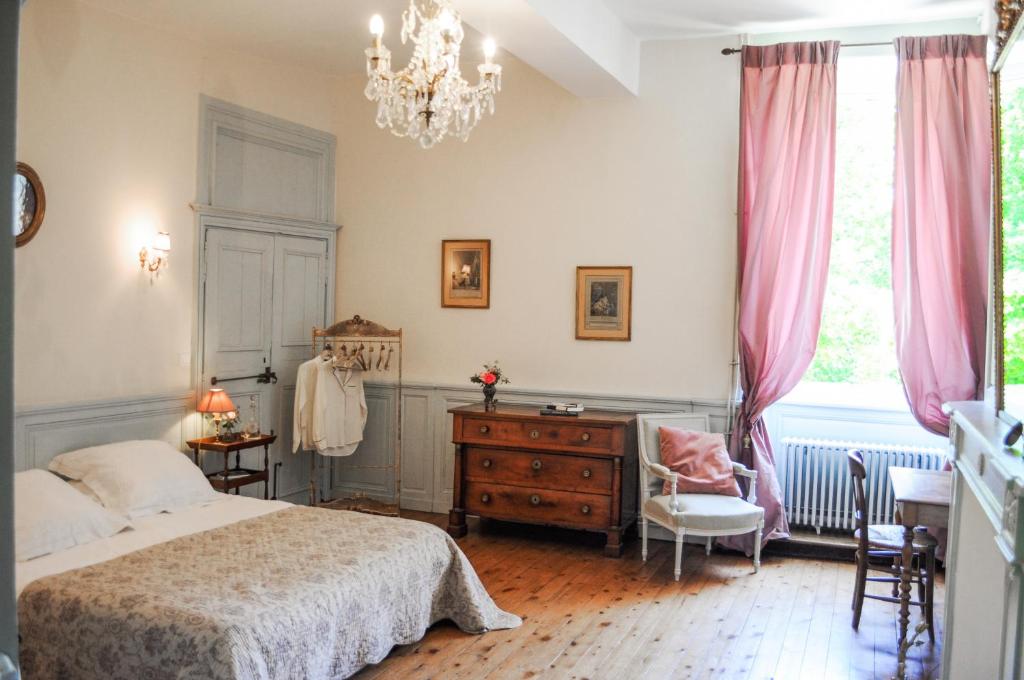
{"x":701,"y":460}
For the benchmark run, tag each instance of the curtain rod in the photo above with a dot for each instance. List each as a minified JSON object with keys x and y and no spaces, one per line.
{"x":735,"y":50}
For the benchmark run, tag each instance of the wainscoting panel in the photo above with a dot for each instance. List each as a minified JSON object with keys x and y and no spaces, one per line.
{"x":417,"y":451}
{"x":363,"y":473}
{"x":428,"y":456}
{"x":42,"y":433}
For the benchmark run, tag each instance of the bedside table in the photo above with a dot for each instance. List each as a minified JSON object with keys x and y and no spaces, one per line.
{"x":234,"y":478}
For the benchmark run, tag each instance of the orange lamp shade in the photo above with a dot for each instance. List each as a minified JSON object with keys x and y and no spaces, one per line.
{"x":216,"y":401}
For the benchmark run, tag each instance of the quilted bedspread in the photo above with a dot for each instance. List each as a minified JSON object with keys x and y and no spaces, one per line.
{"x":299,"y":593}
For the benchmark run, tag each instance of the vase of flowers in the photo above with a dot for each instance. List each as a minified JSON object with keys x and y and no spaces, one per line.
{"x":489,"y":378}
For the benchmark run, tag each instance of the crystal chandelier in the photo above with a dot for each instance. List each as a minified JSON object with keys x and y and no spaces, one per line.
{"x":429,"y":98}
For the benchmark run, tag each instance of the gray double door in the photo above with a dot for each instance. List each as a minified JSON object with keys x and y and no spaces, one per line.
{"x":262,"y":295}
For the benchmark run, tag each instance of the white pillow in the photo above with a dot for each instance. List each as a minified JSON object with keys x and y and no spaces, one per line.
{"x":137,"y":478}
{"x":50,"y":516}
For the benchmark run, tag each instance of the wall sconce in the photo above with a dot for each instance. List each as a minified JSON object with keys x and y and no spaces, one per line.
{"x":160,"y":255}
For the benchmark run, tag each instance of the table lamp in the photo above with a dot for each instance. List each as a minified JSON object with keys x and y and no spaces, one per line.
{"x":218,"y":404}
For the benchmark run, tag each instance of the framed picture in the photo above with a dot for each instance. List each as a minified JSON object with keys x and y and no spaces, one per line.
{"x":29,"y":204}
{"x":466,"y":274}
{"x":604,"y":303}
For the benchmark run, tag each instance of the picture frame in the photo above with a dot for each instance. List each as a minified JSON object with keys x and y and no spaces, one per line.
{"x":604,"y":303}
{"x":466,"y":273}
{"x":29,"y":204}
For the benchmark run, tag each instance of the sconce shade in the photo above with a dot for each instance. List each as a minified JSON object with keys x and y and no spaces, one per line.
{"x":162,"y":242}
{"x":216,"y":401}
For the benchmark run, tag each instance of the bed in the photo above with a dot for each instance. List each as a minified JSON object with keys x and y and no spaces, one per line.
{"x":242,"y":588}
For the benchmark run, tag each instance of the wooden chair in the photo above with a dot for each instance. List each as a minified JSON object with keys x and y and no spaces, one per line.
{"x":885,"y":541}
{"x":694,"y":514}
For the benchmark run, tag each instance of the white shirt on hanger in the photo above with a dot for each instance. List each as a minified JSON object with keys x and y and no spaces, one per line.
{"x":339,"y":409}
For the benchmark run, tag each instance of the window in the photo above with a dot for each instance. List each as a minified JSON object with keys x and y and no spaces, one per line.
{"x":856,"y":345}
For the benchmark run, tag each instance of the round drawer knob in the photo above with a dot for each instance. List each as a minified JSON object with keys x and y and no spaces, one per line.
{"x":587,"y":474}
{"x":484,"y":429}
{"x":535,"y":500}
{"x":585,"y":509}
{"x":487,"y":462}
{"x":535,"y":465}
{"x":485,"y":498}
{"x":534,"y":434}
{"x":585,"y":436}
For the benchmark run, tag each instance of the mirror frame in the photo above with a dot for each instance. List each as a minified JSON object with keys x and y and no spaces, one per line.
{"x":1007,"y":29}
{"x":30,"y":175}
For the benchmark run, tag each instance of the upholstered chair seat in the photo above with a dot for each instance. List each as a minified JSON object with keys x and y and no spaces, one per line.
{"x":707,"y":512}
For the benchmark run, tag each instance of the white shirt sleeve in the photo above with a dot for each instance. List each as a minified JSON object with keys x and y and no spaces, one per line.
{"x":305,"y":386}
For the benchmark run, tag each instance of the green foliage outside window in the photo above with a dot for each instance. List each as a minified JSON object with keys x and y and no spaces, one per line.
{"x":856,"y":343}
{"x":1013,"y":233}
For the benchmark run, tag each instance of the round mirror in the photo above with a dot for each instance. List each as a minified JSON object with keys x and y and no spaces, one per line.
{"x":29,"y":204}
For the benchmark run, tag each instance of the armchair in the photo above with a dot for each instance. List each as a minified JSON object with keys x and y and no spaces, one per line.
{"x":683,"y":514}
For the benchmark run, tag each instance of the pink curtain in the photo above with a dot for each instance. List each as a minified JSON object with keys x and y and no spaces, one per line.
{"x":787,"y":167}
{"x":940,"y":224}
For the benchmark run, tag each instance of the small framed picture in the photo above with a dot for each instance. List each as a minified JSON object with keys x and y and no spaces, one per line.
{"x":29,"y":204}
{"x":466,"y":274}
{"x":604,"y":301}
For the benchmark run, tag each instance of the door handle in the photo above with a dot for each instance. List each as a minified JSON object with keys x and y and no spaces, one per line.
{"x":267,"y":377}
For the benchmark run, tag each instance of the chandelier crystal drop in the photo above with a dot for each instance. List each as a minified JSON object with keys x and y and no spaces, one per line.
{"x":429,"y":98}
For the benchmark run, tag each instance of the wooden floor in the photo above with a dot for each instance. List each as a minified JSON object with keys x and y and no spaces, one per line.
{"x":586,"y":616}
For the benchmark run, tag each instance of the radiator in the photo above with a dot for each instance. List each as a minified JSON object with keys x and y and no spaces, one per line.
{"x":817,"y":487}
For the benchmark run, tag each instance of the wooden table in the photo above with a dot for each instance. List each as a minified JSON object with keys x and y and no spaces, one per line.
{"x":238,"y":476}
{"x":922,"y":499}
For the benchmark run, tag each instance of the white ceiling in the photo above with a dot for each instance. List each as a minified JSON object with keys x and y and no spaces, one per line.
{"x":330,"y":35}
{"x":669,"y":19}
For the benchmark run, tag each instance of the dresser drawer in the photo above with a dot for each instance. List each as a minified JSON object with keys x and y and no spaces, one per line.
{"x":540,"y":506}
{"x":537,"y":434}
{"x":540,"y":470}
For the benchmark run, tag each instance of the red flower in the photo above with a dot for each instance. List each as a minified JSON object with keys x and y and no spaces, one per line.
{"x":488,"y":378}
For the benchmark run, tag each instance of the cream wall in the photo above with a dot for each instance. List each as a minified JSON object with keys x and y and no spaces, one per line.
{"x":555,"y":182}
{"x":108,"y":116}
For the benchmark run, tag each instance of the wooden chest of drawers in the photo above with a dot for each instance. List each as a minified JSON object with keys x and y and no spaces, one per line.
{"x":575,"y":472}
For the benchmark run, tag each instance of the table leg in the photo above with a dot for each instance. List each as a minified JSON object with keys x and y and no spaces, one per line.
{"x":226,"y":489}
{"x":906,"y":565}
{"x":266,"y":468}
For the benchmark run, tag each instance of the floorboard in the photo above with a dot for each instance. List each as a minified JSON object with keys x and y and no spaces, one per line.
{"x":588,"y":617}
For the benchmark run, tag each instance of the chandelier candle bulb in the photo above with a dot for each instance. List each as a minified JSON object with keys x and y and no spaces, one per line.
{"x":377,"y":30}
{"x":446,"y":21}
{"x":490,"y":49}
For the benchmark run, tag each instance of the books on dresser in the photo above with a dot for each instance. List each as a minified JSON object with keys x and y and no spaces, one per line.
{"x":562,"y":409}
